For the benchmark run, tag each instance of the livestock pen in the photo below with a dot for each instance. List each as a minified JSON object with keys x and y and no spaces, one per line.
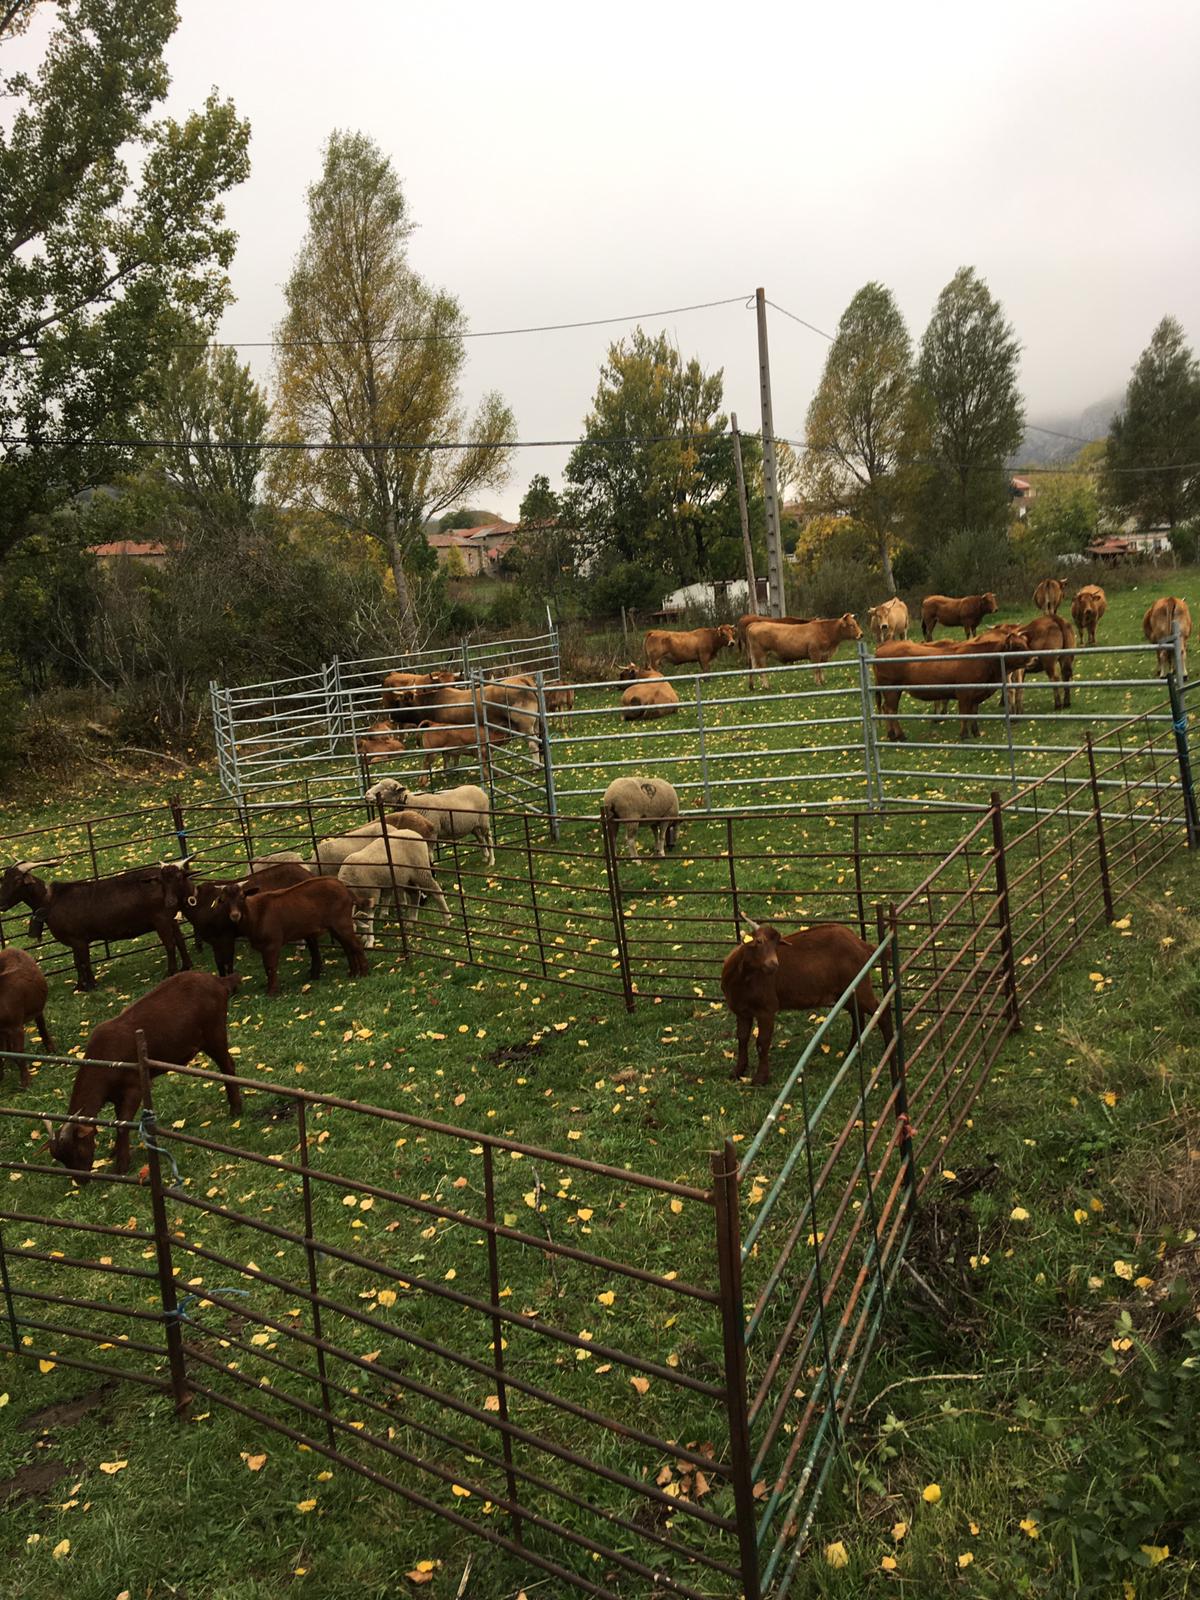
{"x":619,"y":1375}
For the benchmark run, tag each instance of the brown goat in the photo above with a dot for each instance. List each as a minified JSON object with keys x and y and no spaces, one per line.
{"x":773,"y":972}
{"x":23,"y":992}
{"x":209,"y":915}
{"x":305,"y":911}
{"x":181,"y":1017}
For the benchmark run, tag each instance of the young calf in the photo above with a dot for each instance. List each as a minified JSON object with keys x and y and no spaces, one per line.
{"x":774,"y":972}
{"x":23,"y":994}
{"x":305,"y":911}
{"x":181,"y":1017}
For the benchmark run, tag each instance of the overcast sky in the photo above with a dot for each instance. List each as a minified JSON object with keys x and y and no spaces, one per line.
{"x":566,"y":161}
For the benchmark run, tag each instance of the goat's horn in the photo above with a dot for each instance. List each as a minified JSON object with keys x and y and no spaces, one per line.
{"x":49,"y":1126}
{"x":28,"y":866}
{"x":749,"y":921}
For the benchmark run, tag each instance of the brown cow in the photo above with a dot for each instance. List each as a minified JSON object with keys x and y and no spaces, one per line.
{"x":305,"y":911}
{"x":559,"y":697}
{"x":454,"y":743}
{"x":965,"y":612}
{"x":181,"y":1017}
{"x":1046,"y":635}
{"x":398,"y":688}
{"x":648,"y":696}
{"x":1159,"y":625}
{"x":697,"y":644}
{"x":1088,"y":606}
{"x":814,"y":641}
{"x":889,"y":620}
{"x":1048,"y":596}
{"x":23,"y":992}
{"x":744,"y":621}
{"x":380,"y":740}
{"x":773,"y":972}
{"x":935,"y":672}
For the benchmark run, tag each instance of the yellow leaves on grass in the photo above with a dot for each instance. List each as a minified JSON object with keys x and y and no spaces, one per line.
{"x":1080,"y":1215}
{"x":966,"y":1558}
{"x":899,"y":1529}
{"x":61,"y":1549}
{"x":836,"y":1554}
{"x":931,"y":1493}
{"x":889,"y":1563}
{"x":254,"y":1463}
{"x":1154,"y":1553}
{"x":640,"y":1384}
{"x":113,"y":1467}
{"x":1028,"y":1525}
{"x":306,"y":1506}
{"x":457,"y":1490}
{"x":1123,"y":1270}
{"x":386,"y":1297}
{"x":421,"y":1573}
{"x":1019,"y":1214}
{"x":606,"y":1297}
{"x":46,"y":1366}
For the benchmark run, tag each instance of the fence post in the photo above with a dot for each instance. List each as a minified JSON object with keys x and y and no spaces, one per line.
{"x":1101,"y":847}
{"x":310,"y":1251}
{"x":1179,"y":723}
{"x":733,"y":1327}
{"x":703,"y":750}
{"x":177,"y":822}
{"x":608,"y":839}
{"x":1004,"y":909}
{"x":466,"y":661}
{"x":733,"y":888}
{"x":10,"y":1308}
{"x":1177,"y":668}
{"x":547,"y":756}
{"x":162,"y":1237}
{"x":871,"y":768}
{"x":896,"y":1066}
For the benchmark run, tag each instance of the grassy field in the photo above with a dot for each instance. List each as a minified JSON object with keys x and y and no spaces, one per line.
{"x":1056,"y":1425}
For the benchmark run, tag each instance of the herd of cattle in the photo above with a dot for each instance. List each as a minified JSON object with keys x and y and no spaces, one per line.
{"x":450,"y":721}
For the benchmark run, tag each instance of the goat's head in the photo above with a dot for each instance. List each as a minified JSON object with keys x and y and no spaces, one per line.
{"x":761,"y":950}
{"x":74,"y":1145}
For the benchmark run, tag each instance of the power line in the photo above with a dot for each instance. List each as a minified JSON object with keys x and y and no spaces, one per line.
{"x":812,"y":327}
{"x":427,"y":338}
{"x":345,"y":446}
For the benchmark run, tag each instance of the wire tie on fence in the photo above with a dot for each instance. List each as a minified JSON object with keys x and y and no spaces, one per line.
{"x":180,"y":1313}
{"x":147,"y":1126}
{"x":1180,"y":724}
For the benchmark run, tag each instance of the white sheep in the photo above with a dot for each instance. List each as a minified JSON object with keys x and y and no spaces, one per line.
{"x":454,"y":812}
{"x":332,"y":852}
{"x":630,"y":802}
{"x":396,"y":861}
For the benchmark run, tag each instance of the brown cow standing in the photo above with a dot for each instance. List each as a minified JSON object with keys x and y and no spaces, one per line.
{"x":1159,"y":625}
{"x":936,"y":672}
{"x":965,"y":612}
{"x":696,"y":644}
{"x":181,"y":1017}
{"x":1048,"y":595}
{"x":23,"y":993}
{"x":1046,"y":635}
{"x":772,"y":973}
{"x":648,"y":696}
{"x":1088,"y":606}
{"x":889,"y":620}
{"x":744,"y":621}
{"x":788,"y":642}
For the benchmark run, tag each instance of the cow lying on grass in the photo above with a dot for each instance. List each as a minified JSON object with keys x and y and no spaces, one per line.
{"x":143,"y":900}
{"x":184,"y":1015}
{"x":773,"y":972}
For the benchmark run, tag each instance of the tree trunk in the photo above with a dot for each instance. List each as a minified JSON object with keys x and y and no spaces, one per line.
{"x":885,"y":561}
{"x":400,"y":577}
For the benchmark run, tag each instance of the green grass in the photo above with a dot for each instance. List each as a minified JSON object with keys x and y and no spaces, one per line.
{"x":545,"y":1063}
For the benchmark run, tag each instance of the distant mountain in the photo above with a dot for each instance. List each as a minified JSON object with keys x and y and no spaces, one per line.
{"x":1046,"y":449}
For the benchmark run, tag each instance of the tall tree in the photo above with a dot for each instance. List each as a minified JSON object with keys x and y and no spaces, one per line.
{"x":539,"y":502}
{"x":654,"y":465}
{"x":99,"y":270}
{"x":1152,"y":470}
{"x":860,"y":420}
{"x":369,"y":364}
{"x":971,"y":406}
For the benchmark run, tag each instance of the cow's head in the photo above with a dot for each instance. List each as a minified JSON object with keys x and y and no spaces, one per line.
{"x":850,"y":627}
{"x":627,"y":673}
{"x":989,"y":603}
{"x":74,"y":1145}
{"x":726,"y":634}
{"x":760,"y":953}
{"x":201,"y":898}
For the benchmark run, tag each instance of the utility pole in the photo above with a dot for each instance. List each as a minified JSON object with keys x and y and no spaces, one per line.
{"x":744,"y":513}
{"x":770,"y":484}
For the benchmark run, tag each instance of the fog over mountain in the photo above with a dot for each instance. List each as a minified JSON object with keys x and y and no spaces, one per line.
{"x":1046,"y":448}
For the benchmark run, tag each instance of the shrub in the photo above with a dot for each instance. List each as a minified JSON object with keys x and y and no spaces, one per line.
{"x":12,"y":714}
{"x":1185,"y":541}
{"x":975,"y":561}
{"x":627,"y":584}
{"x":836,"y":586}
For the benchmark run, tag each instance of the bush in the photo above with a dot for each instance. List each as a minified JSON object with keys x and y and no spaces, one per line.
{"x":1185,"y":541}
{"x":627,"y":584}
{"x":836,"y":586}
{"x":12,"y":715}
{"x":910,"y":567}
{"x":974,"y":562}
{"x":509,"y":608}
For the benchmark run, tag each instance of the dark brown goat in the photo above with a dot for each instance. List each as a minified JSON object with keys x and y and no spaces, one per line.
{"x":209,"y":915}
{"x":773,"y":972}
{"x":184,"y":1015}
{"x":305,"y":911}
{"x":143,"y":900}
{"x":23,"y":992}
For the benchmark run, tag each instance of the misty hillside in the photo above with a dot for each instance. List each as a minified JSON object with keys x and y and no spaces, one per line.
{"x":1039,"y":449}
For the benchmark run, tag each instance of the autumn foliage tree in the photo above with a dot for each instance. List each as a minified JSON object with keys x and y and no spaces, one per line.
{"x":368,"y":373}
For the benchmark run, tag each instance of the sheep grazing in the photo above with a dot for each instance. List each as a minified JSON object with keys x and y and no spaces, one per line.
{"x":183,"y":1016}
{"x":771,"y":972}
{"x":23,"y":992}
{"x":636,"y":802}
{"x":332,"y":852}
{"x":397,"y":862}
{"x":454,"y":812}
{"x":305,"y":911}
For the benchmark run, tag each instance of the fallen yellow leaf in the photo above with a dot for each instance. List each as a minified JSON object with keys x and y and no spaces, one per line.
{"x":835,"y":1554}
{"x":931,"y":1493}
{"x":113,"y":1466}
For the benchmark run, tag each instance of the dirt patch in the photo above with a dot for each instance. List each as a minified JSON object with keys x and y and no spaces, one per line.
{"x":279,"y":1108}
{"x":505,"y":1053}
{"x":33,"y":1482}
{"x":67,"y":1412}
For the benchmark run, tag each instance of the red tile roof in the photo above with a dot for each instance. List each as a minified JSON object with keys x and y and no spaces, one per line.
{"x":129,"y":547}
